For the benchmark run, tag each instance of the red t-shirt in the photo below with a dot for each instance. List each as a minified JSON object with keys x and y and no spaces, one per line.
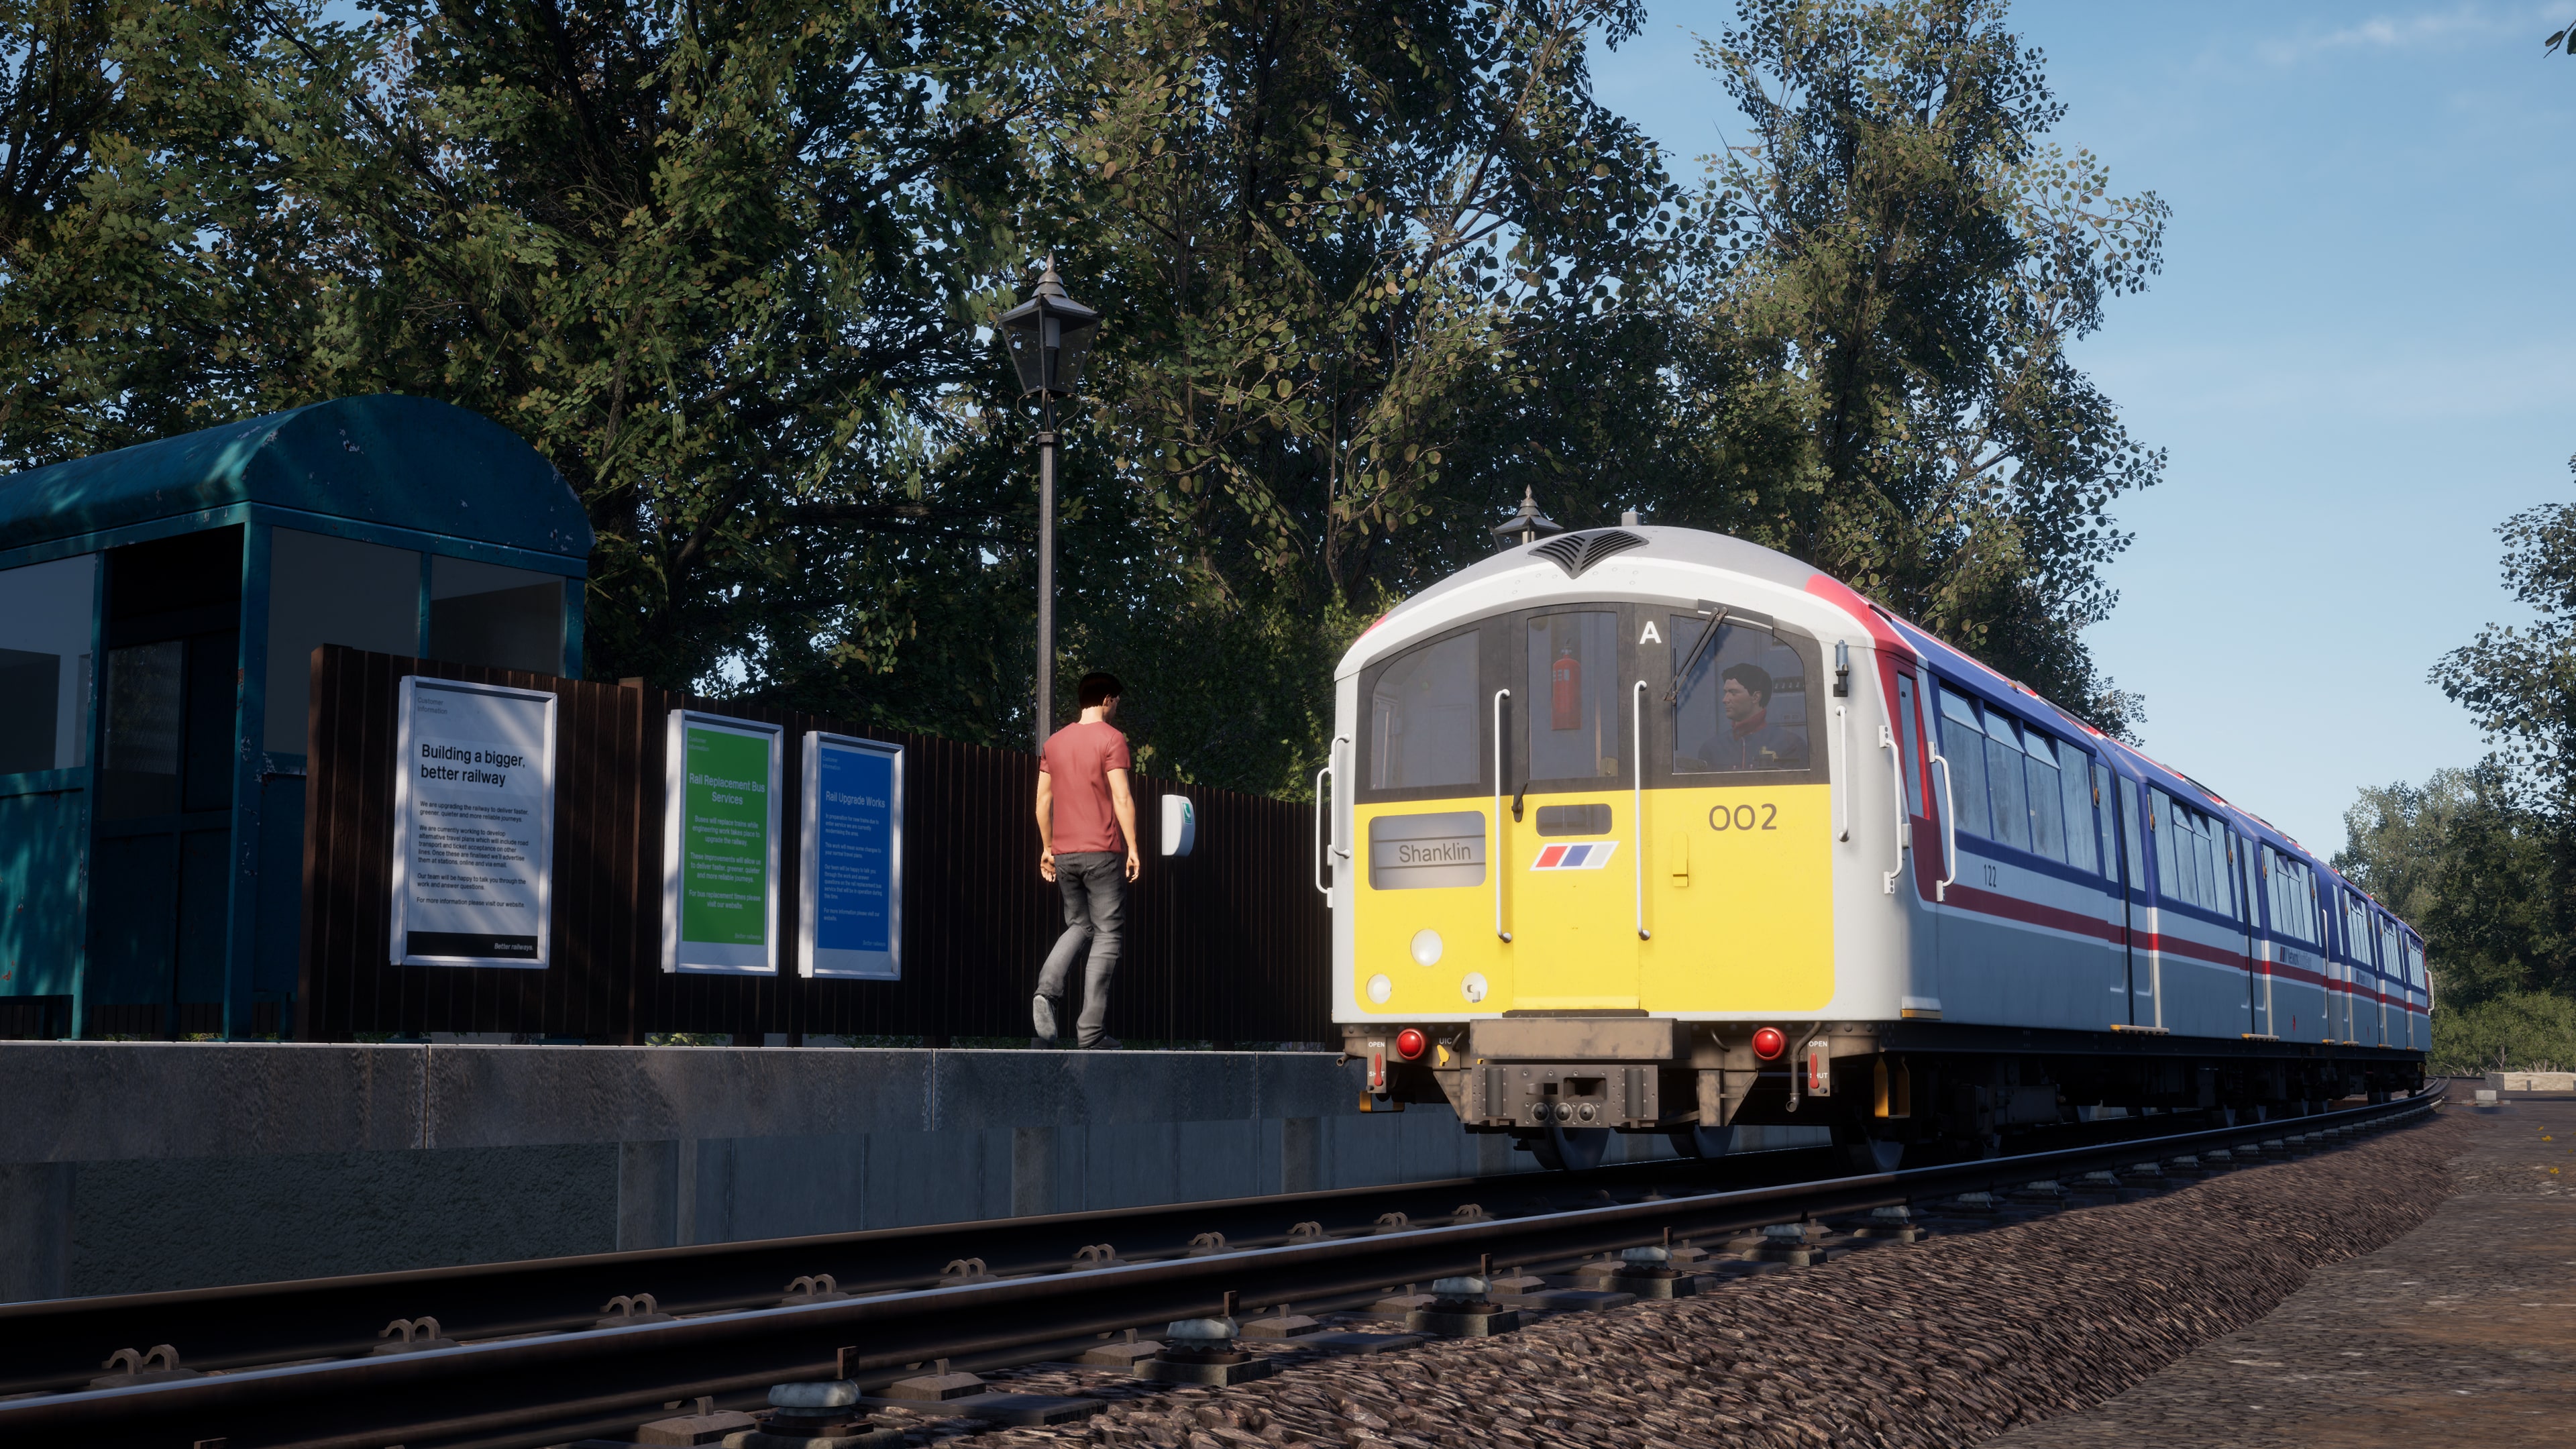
{"x":1080,"y":757}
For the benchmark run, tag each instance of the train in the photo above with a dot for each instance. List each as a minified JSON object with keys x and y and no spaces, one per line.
{"x":1649,"y":830}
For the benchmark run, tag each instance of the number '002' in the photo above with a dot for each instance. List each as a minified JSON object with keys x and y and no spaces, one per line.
{"x":1743,"y":817}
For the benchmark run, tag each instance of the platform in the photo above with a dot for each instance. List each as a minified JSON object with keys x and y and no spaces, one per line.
{"x":2461,"y":1332}
{"x":139,"y":1166}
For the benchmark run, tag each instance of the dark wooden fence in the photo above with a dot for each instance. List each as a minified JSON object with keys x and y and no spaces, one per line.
{"x":1228,"y":945}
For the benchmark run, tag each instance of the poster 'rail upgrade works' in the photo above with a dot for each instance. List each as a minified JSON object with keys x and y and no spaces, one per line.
{"x":1652,"y":830}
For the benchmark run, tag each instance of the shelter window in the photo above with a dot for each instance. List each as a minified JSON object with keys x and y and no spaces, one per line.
{"x":1744,"y":706}
{"x":326,"y":590}
{"x":1424,"y":728}
{"x":506,"y":618}
{"x":1573,"y":709}
{"x":1963,"y":748}
{"x":45,"y":664}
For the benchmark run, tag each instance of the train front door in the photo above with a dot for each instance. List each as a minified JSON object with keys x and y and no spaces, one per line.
{"x":1570,"y":835}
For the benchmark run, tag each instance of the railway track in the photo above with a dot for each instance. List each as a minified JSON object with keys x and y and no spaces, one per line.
{"x":717,"y":1336}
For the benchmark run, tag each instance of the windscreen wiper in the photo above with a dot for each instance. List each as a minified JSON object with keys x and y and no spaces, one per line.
{"x":1699,"y":651}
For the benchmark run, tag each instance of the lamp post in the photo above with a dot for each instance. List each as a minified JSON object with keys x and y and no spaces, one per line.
{"x":1050,"y":336}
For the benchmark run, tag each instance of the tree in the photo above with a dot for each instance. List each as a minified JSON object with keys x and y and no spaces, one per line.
{"x":705,"y":257}
{"x":1900,"y":242}
{"x":2479,"y":876}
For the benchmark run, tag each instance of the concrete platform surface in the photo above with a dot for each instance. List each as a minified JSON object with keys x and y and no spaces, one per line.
{"x":140,"y":1166}
{"x":2462,"y":1332}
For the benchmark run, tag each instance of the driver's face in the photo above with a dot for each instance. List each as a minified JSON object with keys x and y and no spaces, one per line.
{"x":1739,"y":701}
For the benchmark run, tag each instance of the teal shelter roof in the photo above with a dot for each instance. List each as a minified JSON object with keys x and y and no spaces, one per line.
{"x":399,"y":462}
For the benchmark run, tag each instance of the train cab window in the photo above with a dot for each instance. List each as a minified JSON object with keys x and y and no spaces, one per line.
{"x":2415,"y":965}
{"x":1425,"y":723}
{"x":1573,"y":682}
{"x":1963,"y":749}
{"x":1744,"y":704}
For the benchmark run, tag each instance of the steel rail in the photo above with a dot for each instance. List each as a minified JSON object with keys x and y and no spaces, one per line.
{"x":540,"y":1390}
{"x":59,"y":1344}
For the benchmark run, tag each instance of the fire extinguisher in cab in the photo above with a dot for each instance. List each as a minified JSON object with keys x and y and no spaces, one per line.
{"x":1566,"y":706}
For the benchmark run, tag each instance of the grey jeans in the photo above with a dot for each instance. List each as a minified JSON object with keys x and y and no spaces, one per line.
{"x":1094,"y":883}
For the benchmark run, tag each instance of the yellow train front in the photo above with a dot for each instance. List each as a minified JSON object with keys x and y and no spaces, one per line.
{"x":1618,"y":839}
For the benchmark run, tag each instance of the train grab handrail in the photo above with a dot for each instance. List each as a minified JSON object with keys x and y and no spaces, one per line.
{"x":1324,"y":817}
{"x":1949,"y":831}
{"x":1896,"y":770}
{"x":1637,"y":807}
{"x":1496,"y":864}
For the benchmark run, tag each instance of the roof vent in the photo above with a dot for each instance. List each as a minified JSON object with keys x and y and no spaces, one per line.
{"x":1575,"y":552}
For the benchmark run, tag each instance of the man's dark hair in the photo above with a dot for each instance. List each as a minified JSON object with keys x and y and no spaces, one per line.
{"x":1755,"y":679}
{"x":1097,"y":687}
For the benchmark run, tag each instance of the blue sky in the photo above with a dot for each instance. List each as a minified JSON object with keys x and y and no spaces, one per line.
{"x":2359,"y":354}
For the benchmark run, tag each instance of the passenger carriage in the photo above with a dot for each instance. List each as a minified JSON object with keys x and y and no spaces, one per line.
{"x":1652,"y":830}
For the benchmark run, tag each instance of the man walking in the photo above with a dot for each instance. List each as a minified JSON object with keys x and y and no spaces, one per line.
{"x":1087,"y":846}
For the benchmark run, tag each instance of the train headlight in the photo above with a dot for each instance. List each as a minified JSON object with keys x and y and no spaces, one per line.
{"x":1379,"y":989}
{"x":1426,"y":947}
{"x":1768,"y":1043}
{"x":1409,"y":1043}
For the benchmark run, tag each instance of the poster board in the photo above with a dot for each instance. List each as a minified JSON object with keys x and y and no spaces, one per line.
{"x":850,"y":867}
{"x":474,"y":815}
{"x":720,"y":844}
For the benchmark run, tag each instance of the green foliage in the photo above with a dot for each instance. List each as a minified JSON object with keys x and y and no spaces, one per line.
{"x":2520,"y":683}
{"x":1371,"y":268}
{"x":1905,"y":248}
{"x":2480,"y":876}
{"x":2523,"y":1031}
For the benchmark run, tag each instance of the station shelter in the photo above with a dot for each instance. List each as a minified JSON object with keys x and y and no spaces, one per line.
{"x":159,"y":607}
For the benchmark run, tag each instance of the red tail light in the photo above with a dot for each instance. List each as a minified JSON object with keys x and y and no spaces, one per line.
{"x":1768,"y":1043}
{"x":1409,"y":1043}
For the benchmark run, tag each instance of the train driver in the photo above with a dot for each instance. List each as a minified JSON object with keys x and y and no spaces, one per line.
{"x":1750,"y":741}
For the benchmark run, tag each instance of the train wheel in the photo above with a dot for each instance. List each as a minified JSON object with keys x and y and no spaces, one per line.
{"x":1861,"y":1152}
{"x":1702,"y":1142}
{"x":1574,"y":1149}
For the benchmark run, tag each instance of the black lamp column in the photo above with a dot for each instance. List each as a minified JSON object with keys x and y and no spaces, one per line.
{"x":1050,"y":336}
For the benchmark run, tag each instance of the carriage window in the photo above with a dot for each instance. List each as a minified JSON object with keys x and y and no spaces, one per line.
{"x":1905,"y":744}
{"x":2294,"y":903}
{"x":1573,"y":688}
{"x":2415,"y":965}
{"x":2075,"y":797}
{"x":2004,"y":777}
{"x":1963,"y":747}
{"x":2047,"y":805}
{"x":1744,"y":706}
{"x":2170,"y":882}
{"x":1424,"y":724}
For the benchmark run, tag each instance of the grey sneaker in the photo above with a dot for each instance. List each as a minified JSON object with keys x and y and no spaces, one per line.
{"x":1106,"y":1044}
{"x":1043,"y":1012}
